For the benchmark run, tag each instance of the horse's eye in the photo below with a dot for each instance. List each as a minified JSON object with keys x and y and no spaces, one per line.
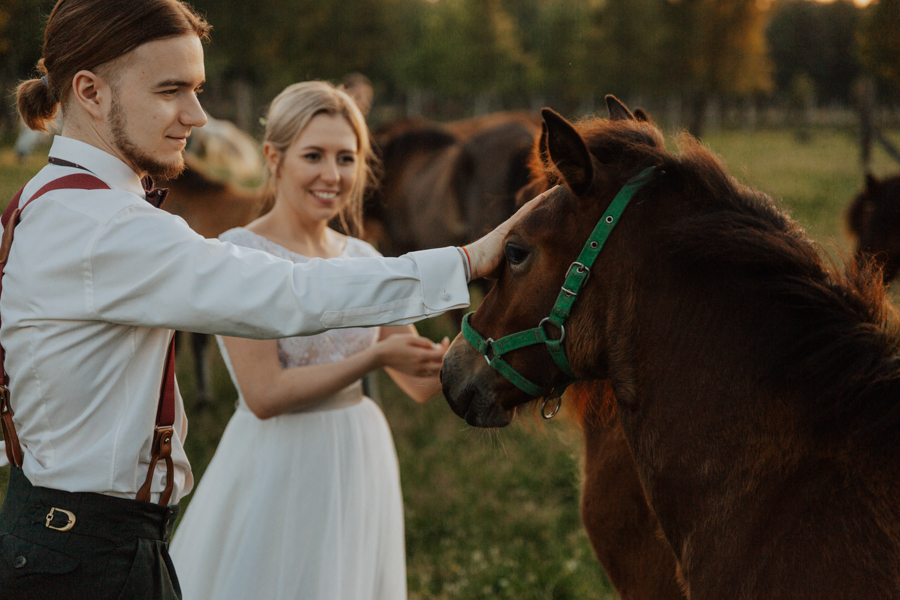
{"x":515,"y":255}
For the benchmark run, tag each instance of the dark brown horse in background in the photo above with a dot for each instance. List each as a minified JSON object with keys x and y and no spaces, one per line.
{"x":873,"y":219}
{"x":448,"y":184}
{"x":757,"y":387}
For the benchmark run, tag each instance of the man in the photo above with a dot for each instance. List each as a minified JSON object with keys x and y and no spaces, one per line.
{"x":98,"y":278}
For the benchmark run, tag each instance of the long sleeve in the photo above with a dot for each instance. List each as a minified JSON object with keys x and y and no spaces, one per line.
{"x":144,"y":267}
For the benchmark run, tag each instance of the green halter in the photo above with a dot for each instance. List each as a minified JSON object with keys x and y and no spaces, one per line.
{"x":576,"y":276}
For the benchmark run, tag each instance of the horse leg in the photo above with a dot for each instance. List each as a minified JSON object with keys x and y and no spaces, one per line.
{"x":199,"y":342}
{"x":622,"y":528}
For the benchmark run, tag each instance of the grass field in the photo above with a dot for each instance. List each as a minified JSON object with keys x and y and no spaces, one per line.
{"x":494,"y":514}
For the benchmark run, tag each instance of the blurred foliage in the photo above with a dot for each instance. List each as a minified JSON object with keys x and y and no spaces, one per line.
{"x":476,"y":56}
{"x":879,"y":40}
{"x":21,"y":39}
{"x":816,"y":41}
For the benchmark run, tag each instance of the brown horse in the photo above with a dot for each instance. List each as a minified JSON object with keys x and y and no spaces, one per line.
{"x":447,"y":184}
{"x":757,"y":387}
{"x":874,"y":220}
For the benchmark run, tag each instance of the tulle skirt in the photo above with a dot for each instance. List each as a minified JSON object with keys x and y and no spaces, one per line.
{"x":303,"y":506}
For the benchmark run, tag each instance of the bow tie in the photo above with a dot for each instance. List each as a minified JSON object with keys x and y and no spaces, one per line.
{"x":155,"y":196}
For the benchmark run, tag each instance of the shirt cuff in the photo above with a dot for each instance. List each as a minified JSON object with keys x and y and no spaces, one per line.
{"x":443,"y":277}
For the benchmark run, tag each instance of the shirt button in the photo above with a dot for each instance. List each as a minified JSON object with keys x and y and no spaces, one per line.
{"x":445,"y":296}
{"x":20,"y":562}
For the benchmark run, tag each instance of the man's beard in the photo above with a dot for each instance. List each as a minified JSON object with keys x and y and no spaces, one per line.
{"x":141,"y":160}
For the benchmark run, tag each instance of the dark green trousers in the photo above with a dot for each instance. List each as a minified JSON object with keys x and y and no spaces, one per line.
{"x":115,"y":549}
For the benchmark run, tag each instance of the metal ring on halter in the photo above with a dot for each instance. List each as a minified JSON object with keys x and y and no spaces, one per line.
{"x":544,"y":412}
{"x":562,"y":329}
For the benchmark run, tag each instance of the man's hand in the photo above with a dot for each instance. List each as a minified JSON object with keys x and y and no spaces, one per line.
{"x":486,"y":253}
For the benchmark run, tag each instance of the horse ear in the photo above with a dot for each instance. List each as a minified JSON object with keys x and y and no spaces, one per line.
{"x":543,"y":151}
{"x":641,"y":115}
{"x":568,"y":152}
{"x":617,"y":109}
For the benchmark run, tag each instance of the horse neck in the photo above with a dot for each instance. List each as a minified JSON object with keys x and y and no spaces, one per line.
{"x":715,"y":442}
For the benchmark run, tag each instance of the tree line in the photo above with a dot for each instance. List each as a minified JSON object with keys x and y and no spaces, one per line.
{"x":450,"y":58}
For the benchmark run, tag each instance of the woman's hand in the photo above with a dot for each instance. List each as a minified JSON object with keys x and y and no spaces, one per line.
{"x":486,"y":253}
{"x":412,"y":354}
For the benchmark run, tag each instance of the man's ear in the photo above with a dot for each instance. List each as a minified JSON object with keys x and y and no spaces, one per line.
{"x":91,"y":92}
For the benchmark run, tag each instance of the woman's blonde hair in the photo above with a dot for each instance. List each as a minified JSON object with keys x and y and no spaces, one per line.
{"x":290,"y":113}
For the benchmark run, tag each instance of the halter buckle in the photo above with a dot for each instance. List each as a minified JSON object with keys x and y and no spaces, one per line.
{"x":580,"y":269}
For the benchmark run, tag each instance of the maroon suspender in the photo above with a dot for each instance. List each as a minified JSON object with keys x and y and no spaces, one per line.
{"x":13,"y":448}
{"x":162,"y":434}
{"x":9,"y":220}
{"x":165,"y":414}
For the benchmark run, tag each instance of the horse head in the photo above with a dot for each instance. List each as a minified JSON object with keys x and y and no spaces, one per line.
{"x":540,"y":258}
{"x":874,"y":219}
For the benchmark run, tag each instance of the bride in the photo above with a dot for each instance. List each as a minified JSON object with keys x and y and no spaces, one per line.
{"x":302,"y":498}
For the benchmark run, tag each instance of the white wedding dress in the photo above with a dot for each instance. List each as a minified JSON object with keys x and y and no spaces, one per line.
{"x":303,"y":506}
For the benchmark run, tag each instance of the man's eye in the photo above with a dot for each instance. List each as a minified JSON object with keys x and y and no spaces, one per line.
{"x":311,"y":156}
{"x":515,"y":255}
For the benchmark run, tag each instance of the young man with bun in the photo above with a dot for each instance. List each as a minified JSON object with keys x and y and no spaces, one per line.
{"x":98,"y":278}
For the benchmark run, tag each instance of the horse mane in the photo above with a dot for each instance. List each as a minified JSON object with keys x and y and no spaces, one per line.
{"x":842,"y":355}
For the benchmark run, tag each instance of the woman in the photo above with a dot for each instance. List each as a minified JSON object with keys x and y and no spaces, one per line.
{"x":302,"y":499}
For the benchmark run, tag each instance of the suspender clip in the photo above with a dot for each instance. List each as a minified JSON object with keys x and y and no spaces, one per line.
{"x":161,"y":449}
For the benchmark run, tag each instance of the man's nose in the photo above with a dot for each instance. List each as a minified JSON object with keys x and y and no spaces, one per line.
{"x":193,"y":114}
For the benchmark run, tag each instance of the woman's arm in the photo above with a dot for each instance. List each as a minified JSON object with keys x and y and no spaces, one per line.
{"x":270,"y":390}
{"x":419,"y":388}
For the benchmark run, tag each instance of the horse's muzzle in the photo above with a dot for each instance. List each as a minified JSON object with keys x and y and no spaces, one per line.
{"x":468,"y":384}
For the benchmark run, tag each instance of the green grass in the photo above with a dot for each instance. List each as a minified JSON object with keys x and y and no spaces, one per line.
{"x":813,"y":181}
{"x":494,"y":514}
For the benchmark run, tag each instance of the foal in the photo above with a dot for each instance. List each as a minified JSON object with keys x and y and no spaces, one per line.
{"x":757,"y":387}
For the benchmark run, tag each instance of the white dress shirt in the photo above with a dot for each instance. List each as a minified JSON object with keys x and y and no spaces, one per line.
{"x":97,"y":280}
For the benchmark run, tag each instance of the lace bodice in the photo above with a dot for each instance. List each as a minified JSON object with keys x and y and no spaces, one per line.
{"x":325,"y":347}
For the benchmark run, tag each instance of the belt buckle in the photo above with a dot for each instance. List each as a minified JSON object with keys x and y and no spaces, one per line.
{"x":67,"y":526}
